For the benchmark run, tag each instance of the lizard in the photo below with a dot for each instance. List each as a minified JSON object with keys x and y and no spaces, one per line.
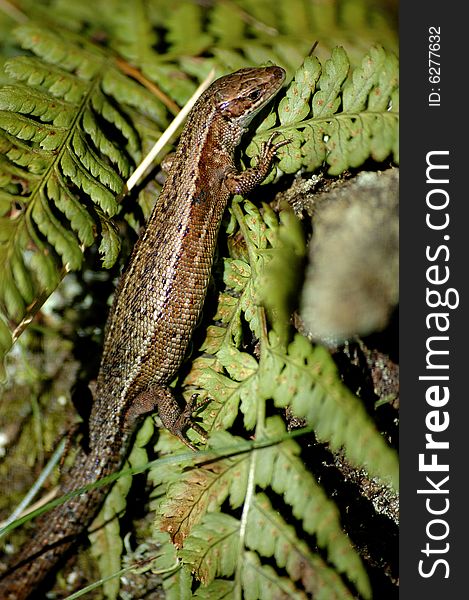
{"x":156,"y":307}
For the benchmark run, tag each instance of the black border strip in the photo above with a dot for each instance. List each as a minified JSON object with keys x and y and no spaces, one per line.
{"x":433,"y":350}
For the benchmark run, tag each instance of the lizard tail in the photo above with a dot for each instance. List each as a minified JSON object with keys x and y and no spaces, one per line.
{"x":58,"y":529}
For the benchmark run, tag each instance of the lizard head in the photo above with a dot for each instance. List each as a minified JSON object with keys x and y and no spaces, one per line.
{"x":240,"y":95}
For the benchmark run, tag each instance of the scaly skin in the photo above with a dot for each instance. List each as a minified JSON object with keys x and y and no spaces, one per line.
{"x":156,"y":307}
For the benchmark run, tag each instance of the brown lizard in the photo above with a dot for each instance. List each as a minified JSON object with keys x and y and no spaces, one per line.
{"x":156,"y":307}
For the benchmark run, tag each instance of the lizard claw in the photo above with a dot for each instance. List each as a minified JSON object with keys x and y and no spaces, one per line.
{"x":269,"y":147}
{"x":185,"y":421}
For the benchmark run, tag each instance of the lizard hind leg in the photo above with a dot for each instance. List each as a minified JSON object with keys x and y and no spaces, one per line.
{"x":185,"y":421}
{"x":175,"y":420}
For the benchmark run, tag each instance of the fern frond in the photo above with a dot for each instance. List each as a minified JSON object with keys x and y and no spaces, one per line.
{"x":291,"y":553}
{"x":301,"y":376}
{"x":298,"y":375}
{"x":308,"y":377}
{"x":106,"y":541}
{"x":178,"y":586}
{"x":339,"y":116}
{"x":200,"y":491}
{"x":70,"y":131}
{"x":212,"y":550}
{"x":194,"y":495}
{"x":281,"y":468}
{"x":219,"y":588}
{"x":186,"y":35}
{"x":261,"y":581}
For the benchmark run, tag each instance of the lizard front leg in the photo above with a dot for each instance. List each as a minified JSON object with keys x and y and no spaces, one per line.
{"x":245,"y":181}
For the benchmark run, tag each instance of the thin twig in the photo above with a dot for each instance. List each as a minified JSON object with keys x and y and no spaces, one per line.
{"x":168,"y":133}
{"x":13,"y":11}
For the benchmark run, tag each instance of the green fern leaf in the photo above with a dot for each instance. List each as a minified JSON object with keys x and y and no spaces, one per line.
{"x":42,"y":263}
{"x":201,"y":491}
{"x":71,"y":128}
{"x":301,"y":376}
{"x":338,"y":115}
{"x":185,"y":32}
{"x":226,"y":26}
{"x":295,"y":17}
{"x":193,"y":495}
{"x":211,"y":549}
{"x":13,"y":300}
{"x":22,"y":99}
{"x":239,"y":365}
{"x":262,"y":582}
{"x":63,"y":240}
{"x":81,"y":221}
{"x":225,"y":393}
{"x":237,"y":274}
{"x":131,"y":30}
{"x":281,"y":468}
{"x":308,"y":377}
{"x":359,"y":85}
{"x":17,"y":125}
{"x":58,"y":82}
{"x":165,"y":559}
{"x":294,"y":106}
{"x":178,"y":586}
{"x":280,"y":540}
{"x":106,"y":541}
{"x":219,"y":589}
{"x":286,"y":254}
{"x":110,"y":242}
{"x":326,"y":100}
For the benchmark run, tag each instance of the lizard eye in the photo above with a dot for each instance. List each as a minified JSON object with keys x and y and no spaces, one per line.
{"x":254,"y":95}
